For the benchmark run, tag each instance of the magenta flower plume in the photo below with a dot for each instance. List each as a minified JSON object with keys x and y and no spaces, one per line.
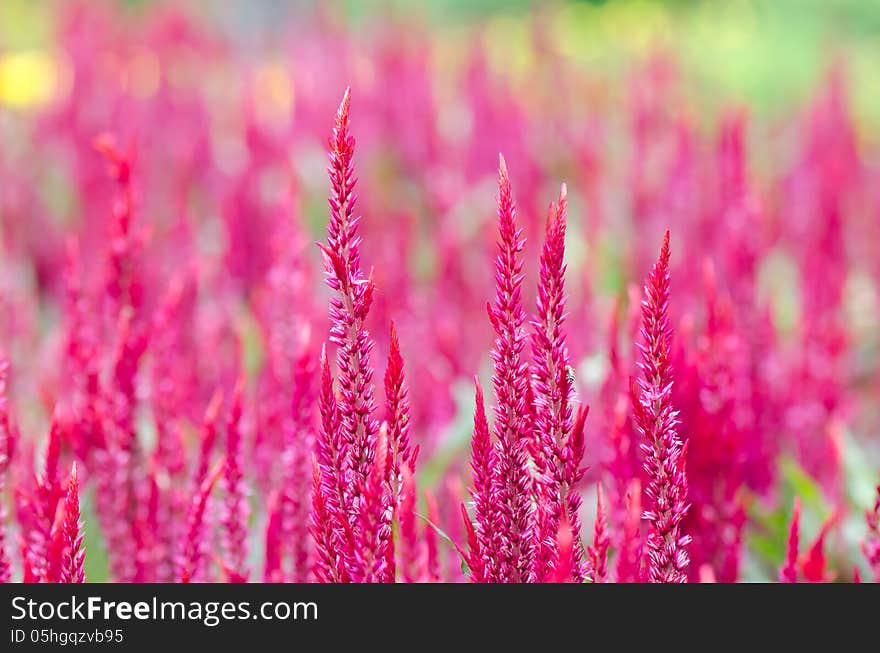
{"x":123,"y":289}
{"x":789,"y":571}
{"x":871,"y":544}
{"x":330,"y":525}
{"x":552,"y":398}
{"x":397,"y":412}
{"x":656,"y":420}
{"x":5,"y":563}
{"x":45,"y":502}
{"x":272,"y":539}
{"x":599,"y":551}
{"x":432,"y":561}
{"x":410,"y":553}
{"x":299,"y":440}
{"x":562,"y":571}
{"x":208,"y":438}
{"x":374,"y":519}
{"x":235,"y":506}
{"x":512,"y":481}
{"x":325,"y":567}
{"x":481,"y":551}
{"x":629,"y":556}
{"x":189,"y":565}
{"x":351,"y":302}
{"x":72,"y":568}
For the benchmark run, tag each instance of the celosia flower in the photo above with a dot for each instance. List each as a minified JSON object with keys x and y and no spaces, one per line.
{"x":299,"y":441}
{"x":789,"y":571}
{"x":5,"y":563}
{"x":397,"y":412}
{"x":72,"y":568}
{"x":814,"y":562}
{"x":351,"y":302}
{"x":871,"y":544}
{"x":272,"y":572}
{"x":513,"y":549}
{"x":189,"y":563}
{"x":599,"y":551}
{"x":552,"y":412}
{"x":236,"y":510}
{"x":562,"y":571}
{"x":330,"y":527}
{"x":657,"y":420}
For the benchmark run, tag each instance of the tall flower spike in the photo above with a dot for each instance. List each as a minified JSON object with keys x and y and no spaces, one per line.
{"x":72,"y":568}
{"x":235,"y":513}
{"x":208,"y":438}
{"x":374,"y":528}
{"x":512,"y":481}
{"x":432,"y":562}
{"x":350,"y":303}
{"x":789,"y":571}
{"x":482,"y":552}
{"x":5,"y":563}
{"x":552,"y":396}
{"x":562,"y":571}
{"x":871,"y":543}
{"x":191,"y":557}
{"x":601,"y":540}
{"x":397,"y":411}
{"x":272,"y":565}
{"x":48,"y":493}
{"x":330,"y":506}
{"x":298,"y":443}
{"x":657,"y":420}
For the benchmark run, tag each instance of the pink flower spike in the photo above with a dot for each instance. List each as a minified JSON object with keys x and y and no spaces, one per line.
{"x":375,"y":515}
{"x":397,"y":412}
{"x":332,"y":506}
{"x":601,"y":540}
{"x":5,"y":562}
{"x":236,"y":510}
{"x":552,"y":402}
{"x":814,"y":562}
{"x":562,"y":565}
{"x":482,"y":545}
{"x":512,"y":483}
{"x":656,"y":420}
{"x":208,"y":437}
{"x":73,"y":568}
{"x":871,"y":543}
{"x":272,"y":572}
{"x":193,"y":545}
{"x":350,"y":303}
{"x":432,"y":562}
{"x":789,"y":571}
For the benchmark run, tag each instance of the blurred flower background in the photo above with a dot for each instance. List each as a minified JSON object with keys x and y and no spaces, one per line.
{"x":750,"y":129}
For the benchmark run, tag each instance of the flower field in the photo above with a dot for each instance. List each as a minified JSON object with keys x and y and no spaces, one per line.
{"x":554,"y":294}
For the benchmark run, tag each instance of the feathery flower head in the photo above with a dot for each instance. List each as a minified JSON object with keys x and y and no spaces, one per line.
{"x":789,"y":571}
{"x":482,"y":543}
{"x":235,"y":513}
{"x":351,"y":302}
{"x":512,"y":482}
{"x":656,"y":420}
{"x":397,"y":409}
{"x":871,"y":543}
{"x":193,"y":544}
{"x":72,"y":569}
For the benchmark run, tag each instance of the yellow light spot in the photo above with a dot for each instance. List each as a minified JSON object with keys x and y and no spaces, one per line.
{"x":143,"y":74}
{"x":27,"y":78}
{"x":274,"y":94}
